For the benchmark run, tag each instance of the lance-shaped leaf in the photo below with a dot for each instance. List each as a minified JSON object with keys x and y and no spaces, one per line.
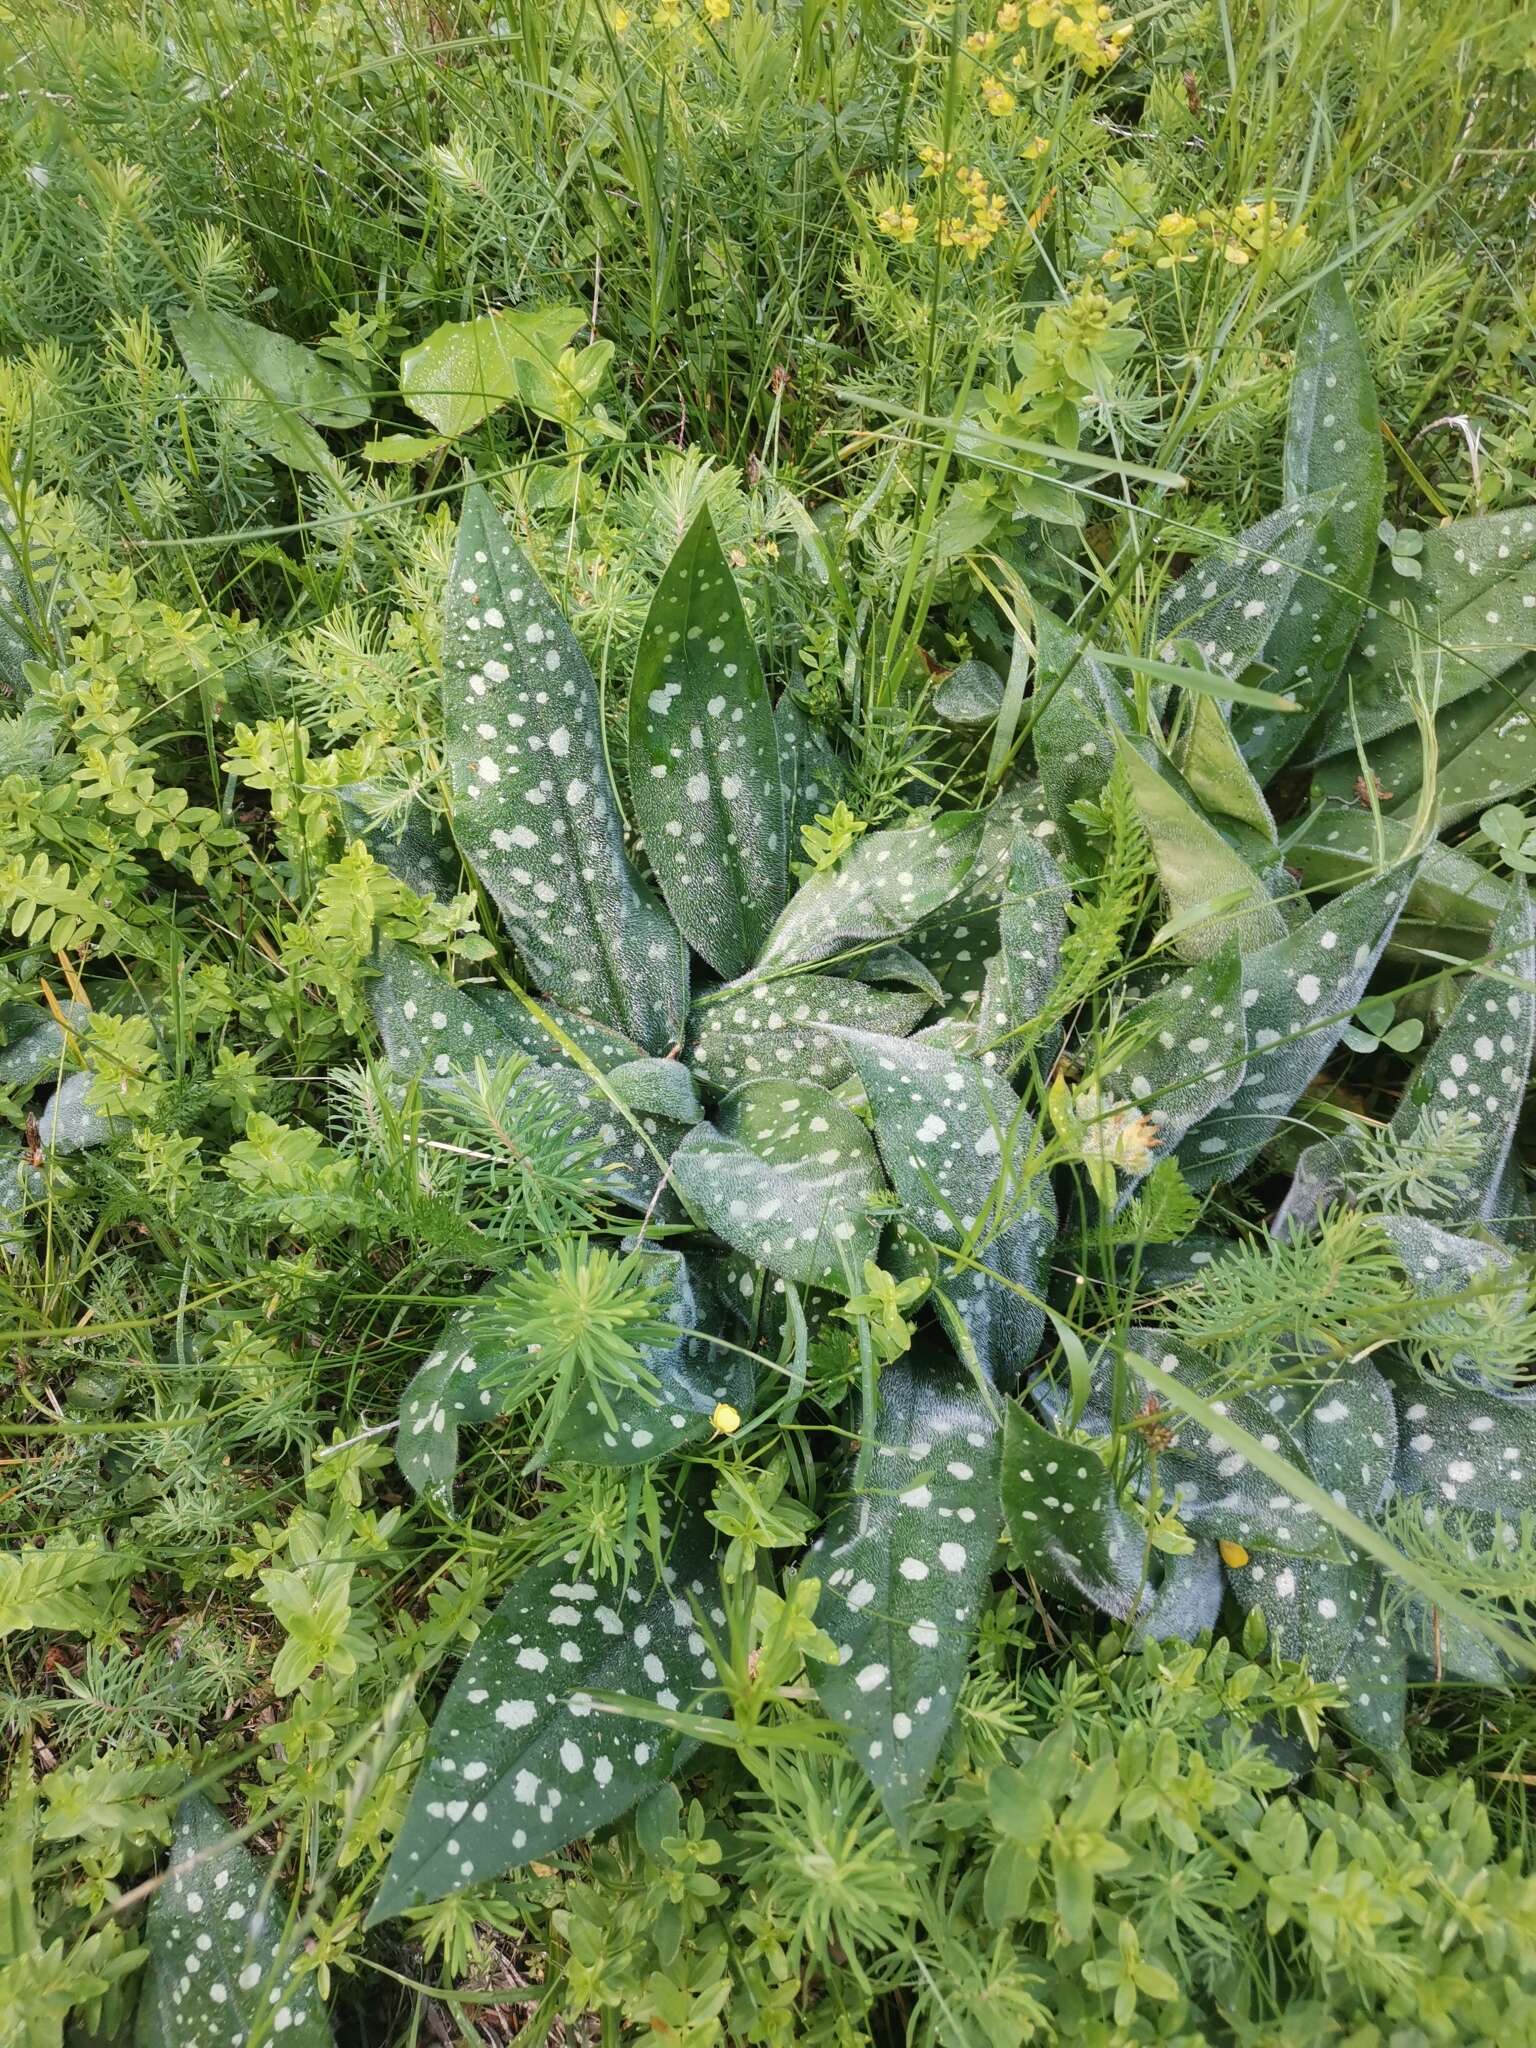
{"x":1485,"y":750}
{"x":811,"y":773}
{"x":766,"y":1029}
{"x":536,"y":816}
{"x":409,"y":840}
{"x":885,"y":885}
{"x":36,"y":1041}
{"x":522,"y":1759}
{"x":1468,"y":1448}
{"x":1332,"y":447}
{"x":1210,"y":891}
{"x":1176,"y":1056}
{"x":467,"y":369}
{"x":434,"y":1032}
{"x":1066,"y":1525}
{"x":956,"y":1142}
{"x":906,"y":1561}
{"x":1479,"y":1064}
{"x":1299,"y":995}
{"x":284,"y":390}
{"x":1330,"y":1612}
{"x":1082,"y":708}
{"x":1031,"y":924}
{"x":1208,"y":757}
{"x":218,"y":1969}
{"x":897,"y":965}
{"x":1452,"y":906}
{"x":657,"y":1088}
{"x":786,"y":1175}
{"x":704,"y":759}
{"x":1467,"y":619}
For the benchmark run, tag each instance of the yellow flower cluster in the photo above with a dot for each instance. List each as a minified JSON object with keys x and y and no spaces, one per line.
{"x":1237,"y":235}
{"x":1085,"y":29}
{"x":996,"y":98}
{"x":717,"y":10}
{"x":972,"y":231}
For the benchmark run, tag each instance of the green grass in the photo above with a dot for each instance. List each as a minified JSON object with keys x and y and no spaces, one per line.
{"x":936,"y":371}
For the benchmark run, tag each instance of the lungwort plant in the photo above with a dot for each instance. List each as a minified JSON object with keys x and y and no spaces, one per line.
{"x":817,"y":1104}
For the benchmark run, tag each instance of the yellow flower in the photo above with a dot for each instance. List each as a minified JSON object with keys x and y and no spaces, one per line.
{"x":1232,"y":1553}
{"x":899,"y":222}
{"x":1033,"y":151}
{"x":935,"y":162}
{"x":717,"y":10}
{"x":726,"y":1419}
{"x":999,"y":100}
{"x":954,"y":231}
{"x":620,"y":19}
{"x":1042,"y":13}
{"x":980,"y":41}
{"x":971,"y":181}
{"x":669,"y":14}
{"x":1175,"y":233}
{"x":1116,"y":1132}
{"x":1007,"y":17}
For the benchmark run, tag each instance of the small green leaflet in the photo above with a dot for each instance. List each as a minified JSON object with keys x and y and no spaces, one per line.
{"x":885,"y":884}
{"x":1177,"y":1055}
{"x":812,"y":775}
{"x":219,"y":1971}
{"x":284,"y":390}
{"x":769,"y":1028}
{"x":522,"y":1759}
{"x":1333,"y":450}
{"x":1467,"y":619}
{"x":1065,"y":1524}
{"x":1298,"y":995}
{"x":954,"y":1140}
{"x":477,"y":1373}
{"x":906,"y":1561}
{"x":704,"y":759}
{"x":1481,"y":1060}
{"x":786,"y":1176}
{"x":1082,"y":709}
{"x":1197,"y":868}
{"x":467,"y":369}
{"x":536,"y":816}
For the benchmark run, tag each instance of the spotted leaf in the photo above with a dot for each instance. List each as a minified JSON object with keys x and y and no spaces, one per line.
{"x":535,"y":813}
{"x":1209,"y":890}
{"x":521,"y":1758}
{"x":1452,"y":906}
{"x":657,"y":1088}
{"x":1485,"y":751}
{"x":1031,"y":924}
{"x":35,"y":1043}
{"x":219,"y":1969}
{"x":1470,"y":615}
{"x":812,"y":775}
{"x":1176,"y":1056}
{"x":956,"y":1142}
{"x":1468,"y":1448}
{"x":905,"y":1563}
{"x":1481,"y":1060}
{"x":767,"y":1029}
{"x":413,"y":844}
{"x":887,"y":883}
{"x":1208,"y":757}
{"x":1066,"y":1525}
{"x":434,"y":1031}
{"x":786,"y":1175}
{"x":1333,"y":455}
{"x":1082,"y":709}
{"x":1298,"y":995}
{"x":704,"y":759}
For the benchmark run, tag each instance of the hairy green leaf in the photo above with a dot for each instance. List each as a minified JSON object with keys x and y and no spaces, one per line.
{"x":536,"y":815}
{"x":704,"y":758}
{"x":522,"y":1759}
{"x":218,"y":1970}
{"x":887,"y":883}
{"x":285,"y":390}
{"x":1211,"y":892}
{"x":1082,"y":710}
{"x":773,"y":1028}
{"x":907,"y":1560}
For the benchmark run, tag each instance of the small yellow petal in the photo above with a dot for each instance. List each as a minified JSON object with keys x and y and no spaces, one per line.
{"x":727,"y":1421}
{"x":1232,"y":1553}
